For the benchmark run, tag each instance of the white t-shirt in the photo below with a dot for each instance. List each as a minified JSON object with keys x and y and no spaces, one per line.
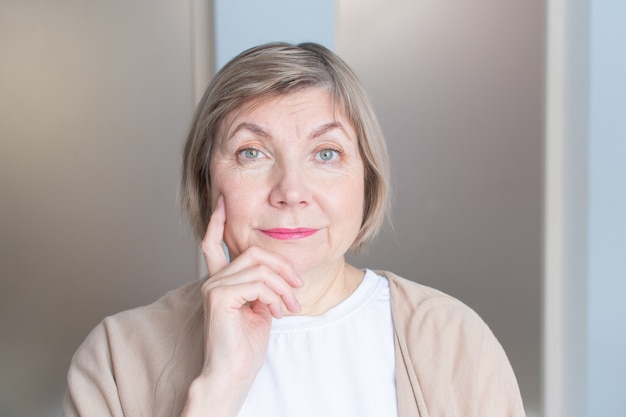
{"x":341,"y":363}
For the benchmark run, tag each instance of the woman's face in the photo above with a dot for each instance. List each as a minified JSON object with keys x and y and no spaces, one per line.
{"x":292,"y":178}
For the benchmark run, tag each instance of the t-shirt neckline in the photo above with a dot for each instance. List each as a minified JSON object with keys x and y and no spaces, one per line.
{"x":359,"y":297}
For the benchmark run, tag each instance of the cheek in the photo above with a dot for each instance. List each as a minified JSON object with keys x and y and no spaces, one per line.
{"x":240,"y":201}
{"x":349,"y":202}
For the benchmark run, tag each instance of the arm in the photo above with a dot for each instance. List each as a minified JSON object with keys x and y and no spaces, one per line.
{"x":498,"y":390}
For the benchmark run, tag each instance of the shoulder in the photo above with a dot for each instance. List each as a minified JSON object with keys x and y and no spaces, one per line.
{"x":448,"y":354}
{"x":168,"y":314}
{"x":431,"y":324}
{"x":145,"y":328}
{"x":410,"y":301}
{"x":146,"y":336}
{"x":136,"y":357}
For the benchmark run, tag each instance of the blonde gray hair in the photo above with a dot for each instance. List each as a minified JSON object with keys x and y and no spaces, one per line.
{"x":272,"y":70}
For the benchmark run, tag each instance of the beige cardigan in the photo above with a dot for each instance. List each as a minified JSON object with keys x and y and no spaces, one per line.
{"x":141,"y":362}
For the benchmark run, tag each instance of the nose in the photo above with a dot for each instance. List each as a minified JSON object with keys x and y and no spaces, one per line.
{"x":291,"y":187}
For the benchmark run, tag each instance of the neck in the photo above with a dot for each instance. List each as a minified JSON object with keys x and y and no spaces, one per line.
{"x":327,"y":287}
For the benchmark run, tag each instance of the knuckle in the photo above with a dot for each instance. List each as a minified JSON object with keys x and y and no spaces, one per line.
{"x":213,"y":295}
{"x":207,"y":288}
{"x":252,"y":252}
{"x":263,"y":270}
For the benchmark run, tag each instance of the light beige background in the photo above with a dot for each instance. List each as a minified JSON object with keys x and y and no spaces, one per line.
{"x":95,"y":98}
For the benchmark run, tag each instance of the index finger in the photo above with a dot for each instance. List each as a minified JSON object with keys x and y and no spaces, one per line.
{"x":212,"y":249}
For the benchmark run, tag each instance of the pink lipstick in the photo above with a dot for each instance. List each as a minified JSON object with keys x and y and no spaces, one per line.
{"x":289,"y":234}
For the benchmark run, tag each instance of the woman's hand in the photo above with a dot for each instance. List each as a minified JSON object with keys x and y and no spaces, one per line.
{"x":240,"y":299}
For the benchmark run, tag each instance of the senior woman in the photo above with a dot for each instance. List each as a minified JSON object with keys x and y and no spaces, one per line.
{"x":284,"y":171}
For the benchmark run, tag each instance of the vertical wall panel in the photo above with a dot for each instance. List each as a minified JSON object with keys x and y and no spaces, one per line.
{"x":95,"y":99}
{"x":585,"y":314}
{"x":566,"y":207}
{"x":606,"y":344}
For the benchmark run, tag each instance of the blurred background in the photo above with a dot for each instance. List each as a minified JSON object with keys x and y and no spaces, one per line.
{"x":503,"y":125}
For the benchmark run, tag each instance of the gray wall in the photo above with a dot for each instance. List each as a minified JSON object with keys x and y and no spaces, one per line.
{"x":95,"y":98}
{"x":458,"y":89}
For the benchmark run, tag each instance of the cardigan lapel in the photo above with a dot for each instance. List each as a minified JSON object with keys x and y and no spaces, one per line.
{"x":410,"y":399}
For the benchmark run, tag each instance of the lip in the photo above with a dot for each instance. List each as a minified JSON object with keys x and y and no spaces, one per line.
{"x":289,"y":234}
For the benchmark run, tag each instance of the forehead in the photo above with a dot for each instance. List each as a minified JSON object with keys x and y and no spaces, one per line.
{"x":311,"y":106}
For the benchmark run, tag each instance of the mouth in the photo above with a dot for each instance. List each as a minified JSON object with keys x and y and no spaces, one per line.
{"x":289,"y":234}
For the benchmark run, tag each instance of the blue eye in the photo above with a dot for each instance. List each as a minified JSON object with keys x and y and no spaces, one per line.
{"x":250,"y":153}
{"x":327,"y":154}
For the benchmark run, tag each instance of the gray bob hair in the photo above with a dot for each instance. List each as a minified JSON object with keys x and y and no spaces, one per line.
{"x":272,"y":70}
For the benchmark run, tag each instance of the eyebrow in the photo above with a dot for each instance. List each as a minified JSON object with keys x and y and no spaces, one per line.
{"x":326,"y":128}
{"x":258,"y":130}
{"x":254,"y":128}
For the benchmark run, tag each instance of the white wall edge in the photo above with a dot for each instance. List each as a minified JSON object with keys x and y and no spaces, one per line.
{"x":566,"y":205}
{"x":553,"y":343}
